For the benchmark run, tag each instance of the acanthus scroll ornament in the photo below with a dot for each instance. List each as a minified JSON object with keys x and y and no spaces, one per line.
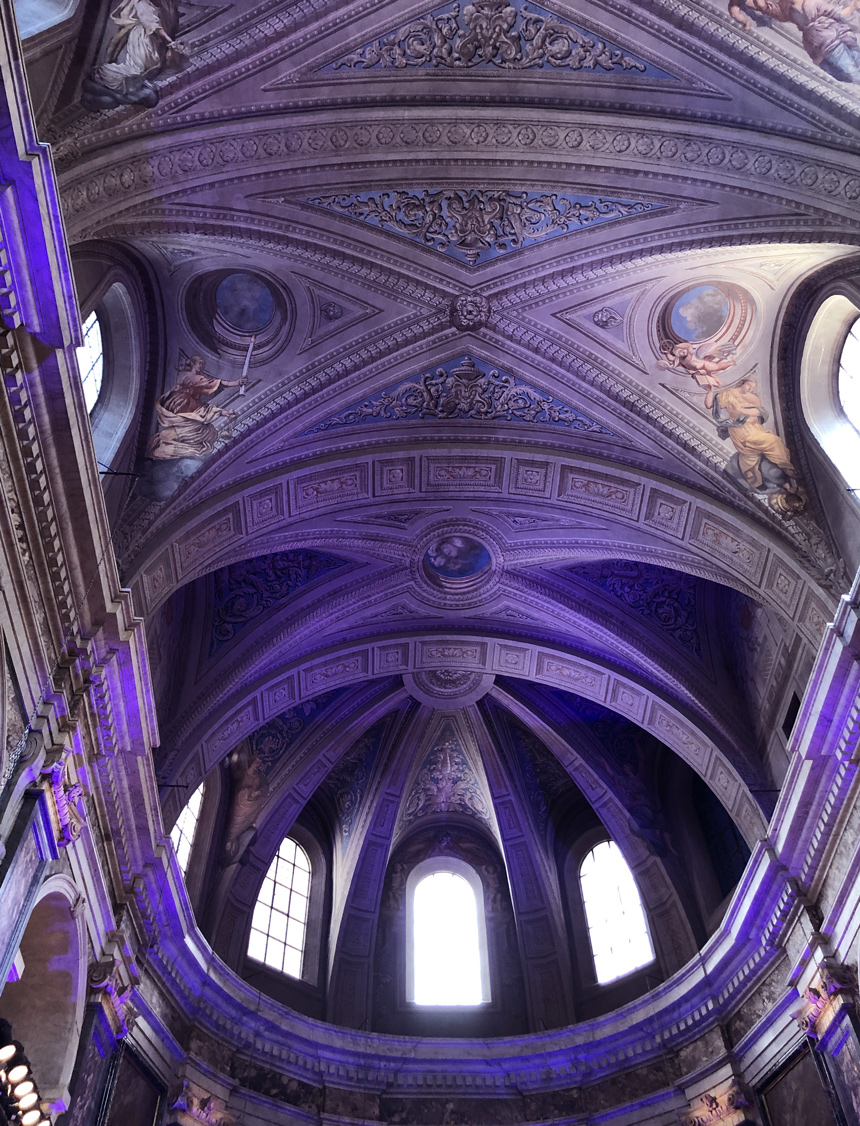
{"x":461,"y":389}
{"x":474,"y":225}
{"x":497,"y":34}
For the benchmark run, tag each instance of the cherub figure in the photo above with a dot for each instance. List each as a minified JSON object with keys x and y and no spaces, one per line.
{"x":700,"y":363}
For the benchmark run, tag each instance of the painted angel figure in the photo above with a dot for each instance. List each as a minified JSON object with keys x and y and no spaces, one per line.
{"x":186,"y":424}
{"x":762,"y":462}
{"x":826,"y":32}
{"x":143,"y":48}
{"x":701,"y":363}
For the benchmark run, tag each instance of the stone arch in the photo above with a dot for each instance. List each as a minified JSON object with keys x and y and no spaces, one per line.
{"x":702,"y":534}
{"x":46,"y":1005}
{"x":220,"y":729}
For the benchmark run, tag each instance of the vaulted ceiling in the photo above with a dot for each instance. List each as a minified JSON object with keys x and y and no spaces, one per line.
{"x":475,"y":484}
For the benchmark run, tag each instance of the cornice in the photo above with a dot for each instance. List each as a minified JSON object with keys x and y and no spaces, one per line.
{"x":117,"y":179}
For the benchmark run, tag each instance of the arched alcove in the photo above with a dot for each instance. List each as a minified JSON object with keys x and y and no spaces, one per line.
{"x":45,"y":1006}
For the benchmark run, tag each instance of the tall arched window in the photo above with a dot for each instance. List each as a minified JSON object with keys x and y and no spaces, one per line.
{"x":280,"y":918}
{"x":848,"y":380}
{"x":830,"y":382}
{"x":91,"y":360}
{"x":182,"y":833}
{"x":446,"y":937}
{"x":620,"y":942}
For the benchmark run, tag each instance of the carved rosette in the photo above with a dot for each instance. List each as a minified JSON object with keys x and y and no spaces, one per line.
{"x":470,"y":311}
{"x":441,"y":688}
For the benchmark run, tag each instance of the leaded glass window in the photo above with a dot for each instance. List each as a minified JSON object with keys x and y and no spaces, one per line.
{"x":280,"y":919}
{"x":620,"y":942}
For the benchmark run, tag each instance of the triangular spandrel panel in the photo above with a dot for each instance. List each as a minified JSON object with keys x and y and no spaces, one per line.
{"x":446,"y":783}
{"x":498,"y":35}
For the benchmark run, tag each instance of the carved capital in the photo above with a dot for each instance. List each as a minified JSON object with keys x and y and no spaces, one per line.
{"x":193,"y":1106}
{"x":106,"y":980}
{"x":727,"y":1106}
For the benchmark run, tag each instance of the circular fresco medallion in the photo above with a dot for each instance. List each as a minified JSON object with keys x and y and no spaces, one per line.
{"x":699,"y":313}
{"x":245,"y":303}
{"x":455,"y":557}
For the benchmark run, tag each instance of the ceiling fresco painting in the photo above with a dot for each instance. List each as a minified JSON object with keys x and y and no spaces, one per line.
{"x":453,"y":456}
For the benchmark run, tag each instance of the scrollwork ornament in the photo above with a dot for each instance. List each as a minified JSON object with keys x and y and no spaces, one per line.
{"x":473,"y":225}
{"x":495,"y":34}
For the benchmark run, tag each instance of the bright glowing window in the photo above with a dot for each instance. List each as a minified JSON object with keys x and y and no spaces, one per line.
{"x":182,"y":834}
{"x":620,"y":942}
{"x":91,"y":361}
{"x":849,"y":375}
{"x":280,"y":919}
{"x":446,"y":935}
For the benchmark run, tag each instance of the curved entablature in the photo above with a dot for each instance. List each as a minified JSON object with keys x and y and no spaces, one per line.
{"x":100,"y":188}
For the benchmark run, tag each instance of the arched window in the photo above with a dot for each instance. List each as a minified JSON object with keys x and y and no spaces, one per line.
{"x":91,"y":360}
{"x":111,"y":365}
{"x":848,"y":380}
{"x":620,"y":942}
{"x":446,"y":935}
{"x":182,"y":833}
{"x":280,"y":920}
{"x":830,"y":383}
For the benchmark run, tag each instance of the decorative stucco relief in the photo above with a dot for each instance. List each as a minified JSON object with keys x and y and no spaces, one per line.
{"x":245,"y":591}
{"x":347,"y":783}
{"x":495,"y":35}
{"x":665,"y":597}
{"x":463,"y":389}
{"x":446,"y":783}
{"x":91,"y":195}
{"x":544,"y":776}
{"x":271,"y":742}
{"x":474,"y":225}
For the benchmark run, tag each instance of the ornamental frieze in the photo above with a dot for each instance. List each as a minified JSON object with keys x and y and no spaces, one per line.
{"x":495,"y":35}
{"x":89,"y":195}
